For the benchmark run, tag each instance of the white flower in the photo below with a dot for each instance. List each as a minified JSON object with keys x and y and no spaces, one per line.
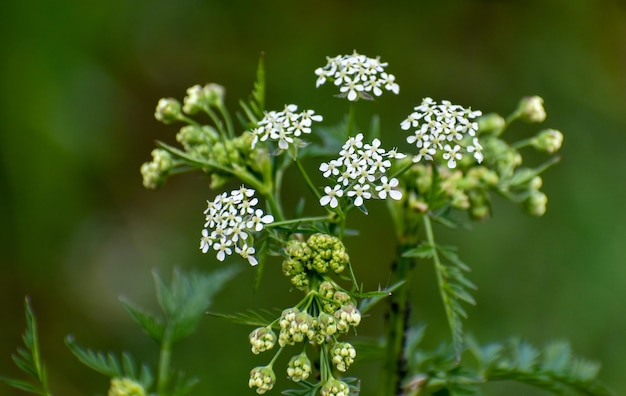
{"x":359,"y":170}
{"x":356,"y":76}
{"x":387,"y":188}
{"x":444,"y":127}
{"x":331,"y":196}
{"x":232,"y":219}
{"x":285,"y":126}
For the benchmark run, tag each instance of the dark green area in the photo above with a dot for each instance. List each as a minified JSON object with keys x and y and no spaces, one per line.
{"x":79,"y":82}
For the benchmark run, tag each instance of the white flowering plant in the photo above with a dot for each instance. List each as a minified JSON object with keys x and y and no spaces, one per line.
{"x":455,"y":159}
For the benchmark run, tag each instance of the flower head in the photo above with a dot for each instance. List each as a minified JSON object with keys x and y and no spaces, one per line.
{"x":359,"y":173}
{"x":299,"y":367}
{"x":357,"y":76}
{"x":285,"y":127}
{"x":343,"y":355}
{"x":334,"y":387}
{"x":125,"y":387}
{"x":262,"y":378}
{"x":443,"y":128}
{"x":230,"y":221}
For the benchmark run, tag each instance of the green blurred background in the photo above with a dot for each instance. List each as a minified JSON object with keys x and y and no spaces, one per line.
{"x":79,"y":82}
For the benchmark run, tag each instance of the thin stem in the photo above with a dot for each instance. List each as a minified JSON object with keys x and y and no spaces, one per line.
{"x":164,"y":364}
{"x":309,"y":183}
{"x":229,"y":121}
{"x":351,"y":119}
{"x":300,"y":220}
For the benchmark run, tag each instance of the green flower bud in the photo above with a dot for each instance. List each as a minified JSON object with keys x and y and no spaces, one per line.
{"x":301,"y":281}
{"x":548,"y":140}
{"x":155,"y":172}
{"x":262,"y":378}
{"x":480,"y":209}
{"x":346,"y":316}
{"x":125,"y":387}
{"x":334,"y":387}
{"x":536,"y":202}
{"x":299,"y":367}
{"x":531,"y":109}
{"x":327,"y":324}
{"x":167,"y":110}
{"x":342,"y":355}
{"x":491,"y":123}
{"x":262,"y":339}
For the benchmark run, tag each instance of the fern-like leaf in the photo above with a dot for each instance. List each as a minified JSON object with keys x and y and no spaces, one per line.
{"x":28,"y":359}
{"x":250,"y":317}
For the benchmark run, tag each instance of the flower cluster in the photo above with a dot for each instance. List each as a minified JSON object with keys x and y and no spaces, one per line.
{"x":343,"y":355}
{"x":443,"y":127}
{"x":359,"y":172}
{"x":334,"y":387}
{"x":357,"y":76}
{"x":125,"y":387}
{"x":232,"y":218}
{"x":155,"y":172}
{"x":285,"y":126}
{"x":263,"y":378}
{"x":299,"y":367}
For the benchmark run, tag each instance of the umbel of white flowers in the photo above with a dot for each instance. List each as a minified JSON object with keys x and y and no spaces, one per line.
{"x":359,"y":173}
{"x":357,"y":76}
{"x":443,"y":127}
{"x":232,"y":218}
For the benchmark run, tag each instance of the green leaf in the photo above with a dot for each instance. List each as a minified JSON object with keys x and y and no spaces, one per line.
{"x":105,"y":364}
{"x":370,"y":299}
{"x":423,"y":251}
{"x":250,"y":317}
{"x":148,"y":322}
{"x":29,"y":359}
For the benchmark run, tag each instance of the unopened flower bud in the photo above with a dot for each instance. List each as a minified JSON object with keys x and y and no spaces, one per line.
{"x":343,"y":355}
{"x":262,"y":339}
{"x":125,"y":387}
{"x":334,"y":387}
{"x":262,"y":378}
{"x":155,"y":172}
{"x":536,"y":203}
{"x":327,"y":324}
{"x":549,"y":140}
{"x":490,"y":123}
{"x":299,"y":367}
{"x":531,"y":109}
{"x":167,"y":110}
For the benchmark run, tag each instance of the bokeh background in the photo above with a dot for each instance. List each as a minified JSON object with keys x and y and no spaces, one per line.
{"x":78,"y":85}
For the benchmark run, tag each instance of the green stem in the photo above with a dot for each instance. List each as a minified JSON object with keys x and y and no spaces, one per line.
{"x":229,"y":121}
{"x":394,"y":363}
{"x":309,"y":183}
{"x":274,"y":206}
{"x":300,"y":220}
{"x":351,"y":119}
{"x":164,"y":365}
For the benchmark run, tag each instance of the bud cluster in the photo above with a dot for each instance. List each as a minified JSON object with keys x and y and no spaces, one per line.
{"x":342,"y":355}
{"x":155,"y":172}
{"x":125,"y":387}
{"x":262,"y":339}
{"x":320,"y":254}
{"x":334,"y":387}
{"x":299,"y":367}
{"x":262,"y":378}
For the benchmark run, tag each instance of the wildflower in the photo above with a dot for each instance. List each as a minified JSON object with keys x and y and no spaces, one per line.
{"x":443,"y":127}
{"x":357,"y":76}
{"x":262,"y":378}
{"x":299,"y":367}
{"x":358,"y":172}
{"x":232,"y":218}
{"x":125,"y":387}
{"x":285,"y":126}
{"x":342,"y":355}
